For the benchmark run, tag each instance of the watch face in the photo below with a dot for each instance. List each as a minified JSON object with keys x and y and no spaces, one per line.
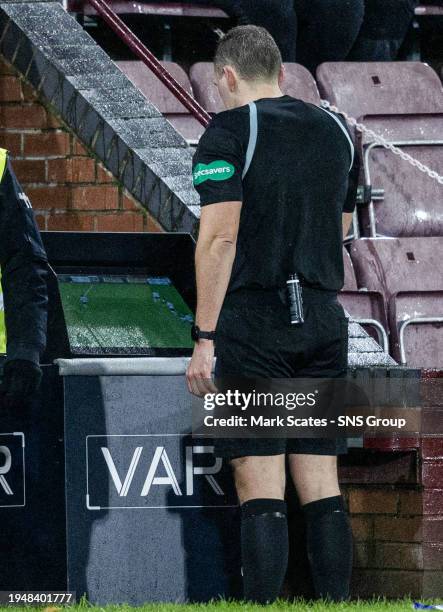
{"x":195,"y":333}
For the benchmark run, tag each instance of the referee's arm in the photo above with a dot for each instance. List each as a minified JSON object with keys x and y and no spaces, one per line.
{"x":351,"y":196}
{"x":217,"y":173}
{"x":214,"y":257}
{"x":346,"y":222}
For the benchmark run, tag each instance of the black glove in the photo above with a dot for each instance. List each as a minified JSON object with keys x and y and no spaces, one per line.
{"x":21,"y":379}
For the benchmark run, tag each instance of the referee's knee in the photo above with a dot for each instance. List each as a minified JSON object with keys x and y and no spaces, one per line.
{"x":259,"y":477}
{"x":314,"y":476}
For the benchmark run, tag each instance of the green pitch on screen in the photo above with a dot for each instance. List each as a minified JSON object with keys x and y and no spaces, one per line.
{"x":125,"y":313}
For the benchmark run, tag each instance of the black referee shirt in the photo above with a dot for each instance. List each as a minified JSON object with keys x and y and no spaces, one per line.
{"x":303,"y":176}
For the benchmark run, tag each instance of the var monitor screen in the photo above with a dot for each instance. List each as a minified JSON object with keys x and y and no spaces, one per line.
{"x":124,"y":315}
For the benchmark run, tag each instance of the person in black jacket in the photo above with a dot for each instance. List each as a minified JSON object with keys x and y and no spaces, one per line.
{"x":23,"y":265}
{"x":383,"y":30}
{"x":311,"y":32}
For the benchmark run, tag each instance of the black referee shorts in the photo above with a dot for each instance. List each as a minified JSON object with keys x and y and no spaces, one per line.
{"x":256,"y":340}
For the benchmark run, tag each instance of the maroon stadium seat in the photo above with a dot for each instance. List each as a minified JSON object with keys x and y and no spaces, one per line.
{"x":175,"y":9}
{"x":381,"y":88}
{"x":298,"y":83}
{"x":162,"y":98}
{"x":205,"y":91}
{"x":412,"y":201}
{"x":403,"y":101}
{"x":365,"y":307}
{"x":408,"y":272}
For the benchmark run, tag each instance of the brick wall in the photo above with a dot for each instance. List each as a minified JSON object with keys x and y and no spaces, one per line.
{"x":68,"y":187}
{"x":387,"y":528}
{"x":395,"y":500}
{"x":395,"y":503}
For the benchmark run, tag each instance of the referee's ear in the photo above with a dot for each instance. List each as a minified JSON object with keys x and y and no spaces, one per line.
{"x":232,"y":78}
{"x":281,"y":76}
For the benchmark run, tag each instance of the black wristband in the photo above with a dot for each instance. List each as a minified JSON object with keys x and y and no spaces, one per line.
{"x":198,"y":334}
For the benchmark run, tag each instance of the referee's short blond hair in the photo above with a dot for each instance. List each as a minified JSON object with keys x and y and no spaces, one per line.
{"x":252,"y":51}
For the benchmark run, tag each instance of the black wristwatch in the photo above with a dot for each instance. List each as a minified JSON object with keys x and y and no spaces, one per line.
{"x":197,"y":334}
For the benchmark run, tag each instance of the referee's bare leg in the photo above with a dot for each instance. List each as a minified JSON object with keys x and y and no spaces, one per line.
{"x":260,"y":483}
{"x":328,"y":532}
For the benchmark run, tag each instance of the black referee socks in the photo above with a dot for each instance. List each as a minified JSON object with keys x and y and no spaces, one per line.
{"x":329,"y":544}
{"x":264,"y":542}
{"x":264,"y":539}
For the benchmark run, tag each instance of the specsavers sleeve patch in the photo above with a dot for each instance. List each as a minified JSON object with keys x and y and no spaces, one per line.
{"x":218,"y":166}
{"x":219,"y":170}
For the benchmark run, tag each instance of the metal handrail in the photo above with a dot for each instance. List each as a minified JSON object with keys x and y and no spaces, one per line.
{"x":149,"y":59}
{"x":402,"y":328}
{"x":368,"y":148}
{"x":381,"y":332}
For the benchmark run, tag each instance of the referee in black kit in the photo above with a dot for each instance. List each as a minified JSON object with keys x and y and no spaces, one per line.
{"x":277,"y":178}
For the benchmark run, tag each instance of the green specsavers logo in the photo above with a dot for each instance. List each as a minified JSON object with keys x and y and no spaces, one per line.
{"x":216,"y":171}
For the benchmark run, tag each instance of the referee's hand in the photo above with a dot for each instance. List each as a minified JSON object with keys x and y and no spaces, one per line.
{"x":199,"y":372}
